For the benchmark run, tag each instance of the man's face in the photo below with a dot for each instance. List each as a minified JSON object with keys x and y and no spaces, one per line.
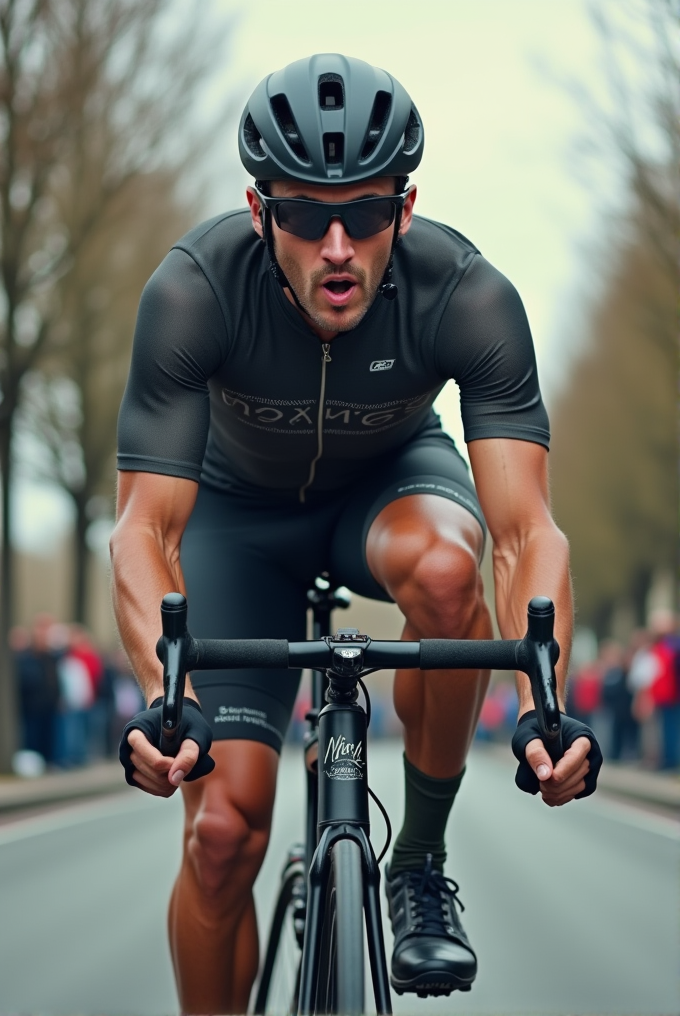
{"x":335,"y":278}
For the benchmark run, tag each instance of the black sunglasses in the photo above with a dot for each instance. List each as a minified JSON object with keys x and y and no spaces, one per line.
{"x":310,"y":219}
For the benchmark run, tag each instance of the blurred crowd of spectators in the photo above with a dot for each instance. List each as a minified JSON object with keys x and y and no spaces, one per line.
{"x":630,"y":695}
{"x":73,"y":699}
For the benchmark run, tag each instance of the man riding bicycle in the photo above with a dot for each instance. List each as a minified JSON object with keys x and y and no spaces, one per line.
{"x":277,"y":424}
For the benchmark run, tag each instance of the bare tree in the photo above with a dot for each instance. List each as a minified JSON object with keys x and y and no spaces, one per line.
{"x":70,"y":405}
{"x":93,"y":94}
{"x":615,"y":450}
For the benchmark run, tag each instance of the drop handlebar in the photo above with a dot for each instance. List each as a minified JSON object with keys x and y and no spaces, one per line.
{"x":535,"y":655}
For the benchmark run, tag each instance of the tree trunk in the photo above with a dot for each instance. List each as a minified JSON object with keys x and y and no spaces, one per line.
{"x":8,"y":697}
{"x":81,"y":559}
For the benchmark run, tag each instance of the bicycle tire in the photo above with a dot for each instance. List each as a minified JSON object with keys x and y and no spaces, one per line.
{"x":278,"y":988}
{"x":341,"y":966}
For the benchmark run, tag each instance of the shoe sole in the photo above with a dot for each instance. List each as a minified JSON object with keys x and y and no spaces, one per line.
{"x":428,"y":984}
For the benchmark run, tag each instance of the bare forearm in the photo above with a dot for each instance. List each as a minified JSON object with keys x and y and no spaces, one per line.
{"x":142,"y":574}
{"x":538,"y":565}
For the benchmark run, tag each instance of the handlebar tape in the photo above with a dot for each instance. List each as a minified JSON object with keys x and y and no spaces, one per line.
{"x":232,"y":654}
{"x":468,"y":654}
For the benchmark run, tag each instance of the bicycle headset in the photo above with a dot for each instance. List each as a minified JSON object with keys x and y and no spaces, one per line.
{"x":330,"y":119}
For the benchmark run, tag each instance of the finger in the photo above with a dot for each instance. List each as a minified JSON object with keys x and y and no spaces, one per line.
{"x":577,"y":751}
{"x":143,"y":748}
{"x":562,"y":792}
{"x":152,"y":764}
{"x":573,"y":759}
{"x":538,"y":759}
{"x":565,"y":782}
{"x":157,"y":788}
{"x":156,"y":774}
{"x":186,"y":759}
{"x":557,"y":798}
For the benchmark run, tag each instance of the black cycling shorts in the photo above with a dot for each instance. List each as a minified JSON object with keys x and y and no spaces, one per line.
{"x":248,"y":562}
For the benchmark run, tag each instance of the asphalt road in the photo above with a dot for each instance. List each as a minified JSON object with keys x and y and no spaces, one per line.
{"x":572,"y":911}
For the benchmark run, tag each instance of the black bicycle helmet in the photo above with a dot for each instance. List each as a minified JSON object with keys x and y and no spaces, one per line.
{"x":330,"y":119}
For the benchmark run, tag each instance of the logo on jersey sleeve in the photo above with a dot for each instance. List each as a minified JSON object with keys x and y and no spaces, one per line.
{"x":381,"y":365}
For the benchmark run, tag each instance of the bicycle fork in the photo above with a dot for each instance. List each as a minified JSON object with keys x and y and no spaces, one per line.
{"x":343,"y":814}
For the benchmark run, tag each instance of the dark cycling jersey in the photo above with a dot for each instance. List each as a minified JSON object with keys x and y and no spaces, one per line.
{"x":228,"y":384}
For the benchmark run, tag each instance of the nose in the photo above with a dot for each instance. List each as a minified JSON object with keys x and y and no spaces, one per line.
{"x":337,"y":245}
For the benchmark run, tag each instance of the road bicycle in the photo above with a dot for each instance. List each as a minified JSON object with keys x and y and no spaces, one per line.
{"x":329,"y":892}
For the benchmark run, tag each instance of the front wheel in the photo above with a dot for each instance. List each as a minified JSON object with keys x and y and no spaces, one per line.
{"x":341,"y":969}
{"x":277,"y":992}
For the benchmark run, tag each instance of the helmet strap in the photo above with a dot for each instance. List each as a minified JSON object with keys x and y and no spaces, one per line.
{"x":387,"y":288}
{"x":274,"y":266}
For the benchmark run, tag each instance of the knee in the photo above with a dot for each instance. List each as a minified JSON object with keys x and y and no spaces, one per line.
{"x":445,"y":584}
{"x":435,"y":581}
{"x":425,"y":550}
{"x":225,"y":850}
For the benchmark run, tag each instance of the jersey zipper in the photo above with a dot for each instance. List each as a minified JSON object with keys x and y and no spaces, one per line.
{"x":326,"y":358}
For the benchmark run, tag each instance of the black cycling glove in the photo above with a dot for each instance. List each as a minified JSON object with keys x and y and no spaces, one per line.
{"x":528,"y":730}
{"x":193,"y":726}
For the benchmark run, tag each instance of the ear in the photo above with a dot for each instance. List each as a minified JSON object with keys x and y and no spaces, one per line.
{"x":407,"y":213}
{"x":255,"y":211}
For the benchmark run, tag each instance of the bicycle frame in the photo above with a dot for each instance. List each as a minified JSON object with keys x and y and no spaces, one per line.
{"x":342,"y":814}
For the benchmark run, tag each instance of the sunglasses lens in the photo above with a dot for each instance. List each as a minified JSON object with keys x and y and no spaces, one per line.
{"x":310,"y":219}
{"x":366,"y":220}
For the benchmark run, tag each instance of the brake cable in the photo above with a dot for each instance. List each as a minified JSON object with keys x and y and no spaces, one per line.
{"x":375,"y":798}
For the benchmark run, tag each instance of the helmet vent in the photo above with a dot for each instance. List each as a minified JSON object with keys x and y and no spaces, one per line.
{"x":376,"y":125}
{"x":413,"y":133}
{"x":334,"y":149}
{"x":288,"y":127}
{"x":253,"y":138}
{"x":331,"y":91}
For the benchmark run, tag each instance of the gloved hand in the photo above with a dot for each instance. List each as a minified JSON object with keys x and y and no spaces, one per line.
{"x":528,"y":730}
{"x":193,"y":727}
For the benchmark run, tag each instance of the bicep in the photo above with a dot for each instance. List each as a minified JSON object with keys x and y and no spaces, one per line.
{"x":511,"y":478}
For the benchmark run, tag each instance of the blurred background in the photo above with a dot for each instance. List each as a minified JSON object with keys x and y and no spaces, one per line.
{"x":552,"y":141}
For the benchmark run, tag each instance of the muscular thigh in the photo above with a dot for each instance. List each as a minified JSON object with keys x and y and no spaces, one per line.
{"x":424,"y":488}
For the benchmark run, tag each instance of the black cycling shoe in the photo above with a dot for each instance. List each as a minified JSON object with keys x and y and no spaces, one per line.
{"x":432,"y":955}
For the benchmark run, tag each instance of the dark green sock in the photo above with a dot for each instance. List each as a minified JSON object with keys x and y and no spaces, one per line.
{"x":426,"y":811}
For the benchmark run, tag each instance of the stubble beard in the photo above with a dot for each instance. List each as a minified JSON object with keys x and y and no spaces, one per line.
{"x":335,"y":319}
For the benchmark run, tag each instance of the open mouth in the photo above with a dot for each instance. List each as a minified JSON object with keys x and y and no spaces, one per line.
{"x":339,"y":287}
{"x":339,"y":292}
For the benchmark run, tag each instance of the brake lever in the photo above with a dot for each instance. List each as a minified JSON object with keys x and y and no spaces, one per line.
{"x":537,"y":654}
{"x":174,"y":650}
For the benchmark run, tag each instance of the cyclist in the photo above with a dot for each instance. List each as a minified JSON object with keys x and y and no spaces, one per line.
{"x":278,"y":423}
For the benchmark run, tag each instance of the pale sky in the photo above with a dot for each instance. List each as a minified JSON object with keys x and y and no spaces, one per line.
{"x":499,"y":144}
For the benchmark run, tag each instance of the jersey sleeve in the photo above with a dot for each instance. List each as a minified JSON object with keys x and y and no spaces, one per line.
{"x":484,"y":343}
{"x":180,"y":341}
